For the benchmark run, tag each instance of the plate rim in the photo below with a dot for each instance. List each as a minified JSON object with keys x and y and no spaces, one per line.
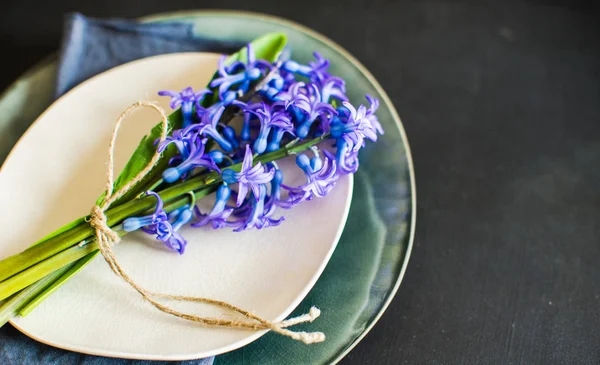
{"x":330,"y":43}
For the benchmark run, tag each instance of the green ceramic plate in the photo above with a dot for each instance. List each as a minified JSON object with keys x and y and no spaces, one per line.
{"x":367,"y":267}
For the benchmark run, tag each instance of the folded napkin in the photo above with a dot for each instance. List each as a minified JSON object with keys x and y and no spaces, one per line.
{"x":91,"y":46}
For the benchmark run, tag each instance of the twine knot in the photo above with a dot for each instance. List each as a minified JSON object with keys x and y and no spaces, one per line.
{"x":98,"y":221}
{"x":106,"y":237}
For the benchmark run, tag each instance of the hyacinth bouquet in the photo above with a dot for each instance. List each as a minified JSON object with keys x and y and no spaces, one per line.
{"x":260,"y":107}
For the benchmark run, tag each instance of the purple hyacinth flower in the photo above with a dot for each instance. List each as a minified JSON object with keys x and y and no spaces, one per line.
{"x":333,"y":87}
{"x":319,"y":66}
{"x":176,"y":242}
{"x":268,"y":119}
{"x":208,"y":127}
{"x":312,"y":107}
{"x":219,"y":213}
{"x":245,"y":132}
{"x":236,"y":66}
{"x":243,"y":210}
{"x":216,"y":156}
{"x":346,"y":158}
{"x":257,"y":213}
{"x":180,"y":217}
{"x":239,"y":73}
{"x":295,"y":93}
{"x":158,"y":224}
{"x":260,"y":215}
{"x":159,"y":216}
{"x":228,"y":98}
{"x":186,"y":99}
{"x":289,"y":79}
{"x":274,"y":199}
{"x":319,"y":182}
{"x":370,"y":114}
{"x":230,"y":136}
{"x":251,"y":60}
{"x":183,"y":140}
{"x":196,"y":158}
{"x":180,"y":141}
{"x":250,"y":177}
{"x":226,"y":80}
{"x":279,"y":131}
{"x":357,"y":127}
{"x":223,"y":101}
{"x":316,"y":71}
{"x":273,"y":87}
{"x":316,"y":163}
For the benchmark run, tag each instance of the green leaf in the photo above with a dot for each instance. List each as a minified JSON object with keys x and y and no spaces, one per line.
{"x":142,"y":156}
{"x":267,"y":47}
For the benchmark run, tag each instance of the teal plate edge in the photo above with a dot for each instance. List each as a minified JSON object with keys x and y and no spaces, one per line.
{"x":367,"y":268}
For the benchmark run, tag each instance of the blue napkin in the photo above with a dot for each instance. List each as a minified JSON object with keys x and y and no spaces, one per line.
{"x":91,"y":46}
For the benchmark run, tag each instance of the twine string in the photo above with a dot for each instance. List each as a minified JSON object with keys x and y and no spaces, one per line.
{"x":106,"y":238}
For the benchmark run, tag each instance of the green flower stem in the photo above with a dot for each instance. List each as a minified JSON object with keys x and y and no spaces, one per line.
{"x":66,"y":273}
{"x":34,"y":273}
{"x":154,"y":186}
{"x":43,"y":250}
{"x":12,"y":306}
{"x":25,"y":278}
{"x":40,"y":260}
{"x":81,"y":263}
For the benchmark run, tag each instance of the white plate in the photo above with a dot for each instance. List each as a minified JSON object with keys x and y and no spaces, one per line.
{"x":56,"y":172}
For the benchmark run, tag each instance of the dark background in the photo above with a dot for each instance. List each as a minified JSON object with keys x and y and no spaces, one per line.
{"x":501,"y":105}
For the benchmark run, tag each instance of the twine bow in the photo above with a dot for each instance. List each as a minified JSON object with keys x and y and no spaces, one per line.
{"x":106,"y":237}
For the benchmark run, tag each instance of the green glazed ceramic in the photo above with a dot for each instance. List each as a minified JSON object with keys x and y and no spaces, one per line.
{"x":367,"y":267}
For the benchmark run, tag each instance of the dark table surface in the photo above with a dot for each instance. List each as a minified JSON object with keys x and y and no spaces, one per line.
{"x":501,"y":104}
